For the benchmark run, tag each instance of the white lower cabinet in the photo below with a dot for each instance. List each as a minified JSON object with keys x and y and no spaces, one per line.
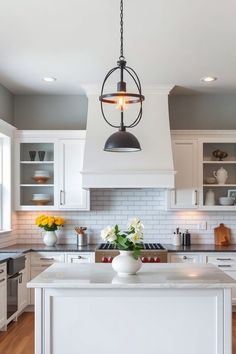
{"x":23,"y":292}
{"x":41,"y":261}
{"x":184,"y":258}
{"x":227,"y":263}
{"x":3,"y":294}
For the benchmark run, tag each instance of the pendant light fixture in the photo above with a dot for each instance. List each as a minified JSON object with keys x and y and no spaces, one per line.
{"x":122,"y":141}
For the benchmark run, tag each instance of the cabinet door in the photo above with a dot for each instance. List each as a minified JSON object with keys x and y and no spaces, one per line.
{"x":72,"y":195}
{"x":3,"y":301}
{"x":232,"y":274}
{"x":185,"y":194}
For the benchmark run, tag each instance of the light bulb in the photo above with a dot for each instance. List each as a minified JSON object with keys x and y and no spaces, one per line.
{"x":121,"y":103}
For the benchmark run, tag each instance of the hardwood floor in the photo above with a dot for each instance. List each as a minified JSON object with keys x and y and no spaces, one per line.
{"x":19,"y":339}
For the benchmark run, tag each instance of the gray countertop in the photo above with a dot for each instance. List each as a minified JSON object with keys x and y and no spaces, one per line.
{"x":25,"y":248}
{"x":201,"y":248}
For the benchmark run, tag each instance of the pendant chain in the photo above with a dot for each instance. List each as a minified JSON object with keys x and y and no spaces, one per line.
{"x":121,"y":30}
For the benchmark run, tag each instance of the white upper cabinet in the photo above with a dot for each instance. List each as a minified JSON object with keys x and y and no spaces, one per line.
{"x":185,"y":194}
{"x":72,"y":196}
{"x":47,"y":170}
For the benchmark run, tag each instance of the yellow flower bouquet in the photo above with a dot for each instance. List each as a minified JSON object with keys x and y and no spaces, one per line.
{"x":49,"y":223}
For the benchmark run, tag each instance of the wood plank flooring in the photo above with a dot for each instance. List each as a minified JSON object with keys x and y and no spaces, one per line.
{"x":19,"y":339}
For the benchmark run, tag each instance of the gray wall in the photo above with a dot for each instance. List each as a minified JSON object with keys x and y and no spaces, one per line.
{"x":206,"y":111}
{"x":50,"y":111}
{"x":203,"y":111}
{"x":6,"y":105}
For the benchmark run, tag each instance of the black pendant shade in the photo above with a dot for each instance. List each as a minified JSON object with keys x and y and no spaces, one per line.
{"x":122,"y":141}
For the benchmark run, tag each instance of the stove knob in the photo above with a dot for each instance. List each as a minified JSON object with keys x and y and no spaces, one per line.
{"x":144,"y":259}
{"x":151,"y":260}
{"x":157,"y":260}
{"x":104,"y":260}
{"x":109,"y":259}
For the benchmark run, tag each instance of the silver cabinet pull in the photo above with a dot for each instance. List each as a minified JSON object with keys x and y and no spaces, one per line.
{"x":185,"y":257}
{"x":2,"y":280}
{"x":46,"y":259}
{"x":224,"y":265}
{"x":195,"y":197}
{"x":223,"y":259}
{"x":62,"y":197}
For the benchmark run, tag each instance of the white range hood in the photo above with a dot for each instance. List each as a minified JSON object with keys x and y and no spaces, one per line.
{"x":152,"y":167}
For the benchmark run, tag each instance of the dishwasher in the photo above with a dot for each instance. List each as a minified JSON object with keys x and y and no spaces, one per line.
{"x":14,"y":277}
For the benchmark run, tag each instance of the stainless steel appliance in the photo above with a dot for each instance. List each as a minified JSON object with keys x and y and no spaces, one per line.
{"x":150,"y":253}
{"x":14,"y":265}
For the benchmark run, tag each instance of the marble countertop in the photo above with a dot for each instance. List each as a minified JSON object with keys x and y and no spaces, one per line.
{"x":150,"y":276}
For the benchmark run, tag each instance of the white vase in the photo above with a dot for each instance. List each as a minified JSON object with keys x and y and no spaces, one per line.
{"x":221,"y":175}
{"x":125,"y":263}
{"x":50,"y":238}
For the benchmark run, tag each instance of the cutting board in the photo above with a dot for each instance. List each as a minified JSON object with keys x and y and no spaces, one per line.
{"x":222,"y":235}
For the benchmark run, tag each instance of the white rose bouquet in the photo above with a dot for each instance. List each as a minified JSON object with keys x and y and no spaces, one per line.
{"x":129,"y":240}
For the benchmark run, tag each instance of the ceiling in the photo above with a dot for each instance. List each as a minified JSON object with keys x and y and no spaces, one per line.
{"x":77,"y":41}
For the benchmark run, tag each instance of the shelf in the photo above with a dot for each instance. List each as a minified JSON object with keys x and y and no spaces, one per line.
{"x":219,"y":162}
{"x":37,"y":185}
{"x":219,"y":185}
{"x":36,"y":162}
{"x":218,"y":207}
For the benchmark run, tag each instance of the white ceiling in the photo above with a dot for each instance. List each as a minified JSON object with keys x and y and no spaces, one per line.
{"x":166,"y":41}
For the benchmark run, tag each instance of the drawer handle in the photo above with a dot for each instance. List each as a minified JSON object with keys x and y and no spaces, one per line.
{"x":223,"y":259}
{"x":46,"y":259}
{"x":2,"y":280}
{"x":185,"y":257}
{"x":1,"y":271}
{"x":224,"y":265}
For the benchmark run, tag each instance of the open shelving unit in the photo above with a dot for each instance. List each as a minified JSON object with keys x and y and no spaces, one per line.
{"x":28,"y":186}
{"x":211,"y":164}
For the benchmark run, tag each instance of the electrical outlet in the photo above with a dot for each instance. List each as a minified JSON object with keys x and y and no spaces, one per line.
{"x":202,"y":225}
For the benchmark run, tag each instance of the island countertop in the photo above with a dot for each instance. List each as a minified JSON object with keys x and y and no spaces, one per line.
{"x":150,"y":276}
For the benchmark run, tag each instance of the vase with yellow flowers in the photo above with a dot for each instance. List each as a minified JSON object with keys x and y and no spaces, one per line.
{"x":49,"y":224}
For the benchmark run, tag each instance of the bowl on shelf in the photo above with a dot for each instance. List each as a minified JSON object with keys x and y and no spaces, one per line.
{"x":226,"y":201}
{"x":41,"y":176}
{"x":40,"y":199}
{"x":210,"y":180}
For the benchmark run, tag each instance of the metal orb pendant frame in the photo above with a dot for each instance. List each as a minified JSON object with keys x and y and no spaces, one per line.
{"x":122,"y":141}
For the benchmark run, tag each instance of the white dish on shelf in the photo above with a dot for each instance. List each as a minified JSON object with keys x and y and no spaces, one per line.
{"x":226,"y":201}
{"x":39,"y":173}
{"x":40,"y":196}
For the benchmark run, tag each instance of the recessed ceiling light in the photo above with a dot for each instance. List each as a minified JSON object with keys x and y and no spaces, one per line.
{"x":208,"y":78}
{"x":49,"y":79}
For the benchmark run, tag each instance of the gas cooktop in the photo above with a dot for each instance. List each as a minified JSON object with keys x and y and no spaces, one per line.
{"x":145,"y":246}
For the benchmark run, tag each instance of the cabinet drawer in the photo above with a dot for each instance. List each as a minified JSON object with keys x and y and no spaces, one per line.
{"x":223,"y":261}
{"x":184,"y":258}
{"x":3,"y":270}
{"x":80,"y":258}
{"x":47,"y":258}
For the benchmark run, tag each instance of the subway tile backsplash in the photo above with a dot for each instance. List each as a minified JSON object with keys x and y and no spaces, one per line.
{"x":116,"y":206}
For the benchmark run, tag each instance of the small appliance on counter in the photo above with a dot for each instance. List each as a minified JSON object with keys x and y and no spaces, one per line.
{"x":222,"y":235}
{"x":82,"y":239}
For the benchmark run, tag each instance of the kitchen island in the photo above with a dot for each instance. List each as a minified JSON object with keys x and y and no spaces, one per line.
{"x":164,"y":309}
